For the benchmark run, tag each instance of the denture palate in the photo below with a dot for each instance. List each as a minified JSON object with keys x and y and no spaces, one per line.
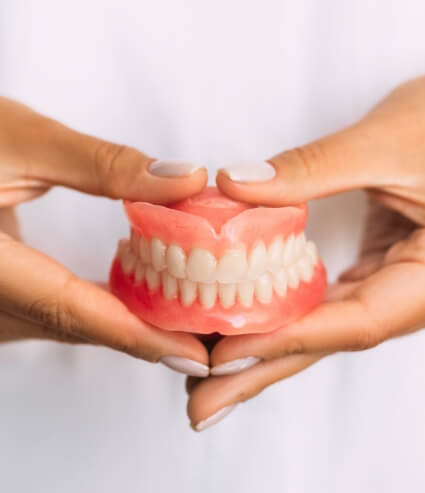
{"x":238,"y":276}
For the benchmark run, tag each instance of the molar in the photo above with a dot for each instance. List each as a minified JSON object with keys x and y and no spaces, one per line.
{"x":227,"y":294}
{"x":264,"y":288}
{"x":300,"y":242}
{"x":305,"y":269}
{"x":257,"y":261}
{"x":176,"y":261}
{"x":207,"y":295}
{"x":144,"y":250}
{"x":311,"y":252}
{"x":232,"y":266}
{"x":158,"y":250}
{"x":201,"y":266}
{"x":134,"y":242}
{"x":128,"y":259}
{"x":139,"y":272}
{"x":280,"y":282}
{"x":293,"y":278}
{"x":187,"y":292}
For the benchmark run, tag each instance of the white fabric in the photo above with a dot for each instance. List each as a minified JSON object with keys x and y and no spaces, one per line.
{"x":213,"y":82}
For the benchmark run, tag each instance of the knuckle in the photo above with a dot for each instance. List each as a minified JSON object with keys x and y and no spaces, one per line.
{"x":109,"y":168}
{"x":294,"y":346}
{"x":365,"y":339}
{"x":309,"y":158}
{"x":52,"y":314}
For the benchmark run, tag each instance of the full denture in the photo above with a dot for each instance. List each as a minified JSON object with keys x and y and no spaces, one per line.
{"x":231,"y":269}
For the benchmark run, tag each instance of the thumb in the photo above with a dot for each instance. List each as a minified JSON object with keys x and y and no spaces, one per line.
{"x":38,"y":151}
{"x":337,"y":163}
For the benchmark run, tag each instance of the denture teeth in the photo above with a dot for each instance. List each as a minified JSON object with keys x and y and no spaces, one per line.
{"x":227,"y":294}
{"x":275,"y":253}
{"x":128,"y":261}
{"x":169,"y":286}
{"x":299,"y":245}
{"x":176,"y":261}
{"x":152,"y":278}
{"x":232,"y":266}
{"x":201,"y":266}
{"x":246,"y":293}
{"x":139,"y":272}
{"x":288,"y":256}
{"x":311,"y":252}
{"x":134,"y":242}
{"x":187,"y":291}
{"x":280,"y":282}
{"x":305,"y":269}
{"x":145,"y":250}
{"x":264,"y":288}
{"x":208,"y":295}
{"x":158,"y":249}
{"x":293,"y":279}
{"x":257,"y":261}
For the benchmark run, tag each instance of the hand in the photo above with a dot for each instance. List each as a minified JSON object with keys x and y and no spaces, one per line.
{"x":383,"y":295}
{"x":39,"y":298}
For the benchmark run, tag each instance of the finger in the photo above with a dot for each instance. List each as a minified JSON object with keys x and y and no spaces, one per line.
{"x":215,"y":396}
{"x":15,"y":329}
{"x":42,"y":152}
{"x":386,"y":305}
{"x":35,"y":287}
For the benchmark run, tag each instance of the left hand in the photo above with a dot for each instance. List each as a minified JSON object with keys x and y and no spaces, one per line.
{"x":381,"y":296}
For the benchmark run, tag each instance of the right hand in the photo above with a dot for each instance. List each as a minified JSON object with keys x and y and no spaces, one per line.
{"x":40,"y":298}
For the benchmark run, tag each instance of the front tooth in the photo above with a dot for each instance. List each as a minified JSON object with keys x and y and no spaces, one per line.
{"x":299,"y":245}
{"x":227,"y":294}
{"x":280,"y":282}
{"x":128,"y":261}
{"x":275,"y":254}
{"x":305,"y":269}
{"x":187,"y":291}
{"x":288,"y":257}
{"x":207,"y":295}
{"x":246,"y":293}
{"x":152,"y":277}
{"x":169,"y":286}
{"x":264,"y":288}
{"x":311,"y":251}
{"x":176,"y":261}
{"x":139,"y":272}
{"x":145,"y":250}
{"x":158,"y":249}
{"x":232,"y":266}
{"x":134,"y":241}
{"x":257,"y":261}
{"x":293,"y":279}
{"x":201,"y":266}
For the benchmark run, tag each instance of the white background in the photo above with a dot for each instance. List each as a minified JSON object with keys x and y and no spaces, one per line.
{"x":213,"y":82}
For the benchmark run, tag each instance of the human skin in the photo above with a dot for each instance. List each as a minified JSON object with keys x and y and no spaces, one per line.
{"x":382,"y":296}
{"x":40,"y":298}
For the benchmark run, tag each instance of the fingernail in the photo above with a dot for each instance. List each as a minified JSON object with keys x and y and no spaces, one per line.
{"x":215,"y":418}
{"x":186,"y":366}
{"x":173,"y":168}
{"x":250,"y":171}
{"x":235,"y":366}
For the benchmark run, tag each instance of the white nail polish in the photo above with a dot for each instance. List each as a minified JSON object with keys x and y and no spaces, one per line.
{"x":215,"y":418}
{"x":235,"y":366}
{"x":186,"y":366}
{"x":250,"y":171}
{"x":173,"y":168}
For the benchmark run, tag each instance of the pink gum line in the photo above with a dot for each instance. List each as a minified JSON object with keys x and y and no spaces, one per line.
{"x":189,"y":231}
{"x":171,"y":315}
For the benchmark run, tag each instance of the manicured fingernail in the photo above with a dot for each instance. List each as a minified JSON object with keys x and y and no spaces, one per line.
{"x":173,"y":168}
{"x":215,"y":418}
{"x":235,"y":366}
{"x":249,"y":171}
{"x":186,"y":366}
